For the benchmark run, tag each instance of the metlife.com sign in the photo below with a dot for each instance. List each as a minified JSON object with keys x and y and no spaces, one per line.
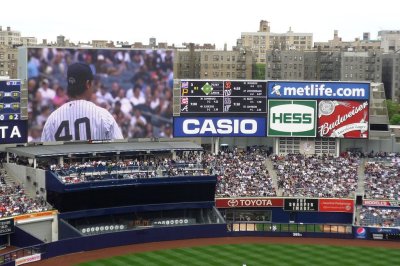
{"x":219,"y":127}
{"x":318,"y":90}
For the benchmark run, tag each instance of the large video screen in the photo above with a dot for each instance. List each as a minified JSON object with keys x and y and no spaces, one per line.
{"x":134,"y":86}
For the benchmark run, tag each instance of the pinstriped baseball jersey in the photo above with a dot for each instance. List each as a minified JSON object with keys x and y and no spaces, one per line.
{"x":80,"y":120}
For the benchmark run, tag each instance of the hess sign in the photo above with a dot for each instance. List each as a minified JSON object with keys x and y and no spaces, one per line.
{"x":292,"y":118}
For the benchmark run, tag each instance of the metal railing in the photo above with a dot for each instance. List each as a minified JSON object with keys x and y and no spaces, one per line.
{"x":20,"y":253}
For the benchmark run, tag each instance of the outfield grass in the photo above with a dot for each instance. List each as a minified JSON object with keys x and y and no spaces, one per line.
{"x":258,"y":254}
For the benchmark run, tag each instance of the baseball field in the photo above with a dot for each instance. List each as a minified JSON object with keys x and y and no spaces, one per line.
{"x":258,"y":254}
{"x":239,"y":251}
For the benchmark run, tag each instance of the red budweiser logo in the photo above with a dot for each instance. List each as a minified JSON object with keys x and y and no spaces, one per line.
{"x":343,"y":119}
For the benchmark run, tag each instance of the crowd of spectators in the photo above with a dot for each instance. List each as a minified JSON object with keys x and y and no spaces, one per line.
{"x":240,"y":173}
{"x":135,"y":86}
{"x":316,"y":176}
{"x":14,"y":201}
{"x":161,"y":166}
{"x":379,"y":217}
{"x":382,"y":177}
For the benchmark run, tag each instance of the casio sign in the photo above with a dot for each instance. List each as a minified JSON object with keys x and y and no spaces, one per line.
{"x":219,"y":126}
{"x":292,"y":118}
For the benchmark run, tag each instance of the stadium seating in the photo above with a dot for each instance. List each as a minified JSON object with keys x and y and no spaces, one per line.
{"x":14,"y":201}
{"x":316,"y":176}
{"x":382,"y":177}
{"x":381,"y":217}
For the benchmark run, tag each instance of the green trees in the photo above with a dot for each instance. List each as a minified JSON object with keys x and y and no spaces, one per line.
{"x":393,"y":112}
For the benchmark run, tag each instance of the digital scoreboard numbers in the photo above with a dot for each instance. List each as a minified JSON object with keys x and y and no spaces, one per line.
{"x":10,"y":100}
{"x":213,"y":98}
{"x":201,"y":97}
{"x":301,"y":204}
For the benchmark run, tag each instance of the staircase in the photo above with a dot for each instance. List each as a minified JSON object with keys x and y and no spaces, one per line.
{"x":361,"y":178}
{"x":272,"y":173}
{"x":10,"y":180}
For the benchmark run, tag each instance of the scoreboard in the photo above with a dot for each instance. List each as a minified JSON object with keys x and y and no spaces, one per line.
{"x":10,"y":100}
{"x":227,"y":98}
{"x":259,"y":108}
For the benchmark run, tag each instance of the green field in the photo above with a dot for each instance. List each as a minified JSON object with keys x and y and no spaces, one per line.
{"x":258,"y":254}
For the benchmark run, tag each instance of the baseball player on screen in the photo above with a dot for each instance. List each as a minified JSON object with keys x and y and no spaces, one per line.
{"x":80,"y":119}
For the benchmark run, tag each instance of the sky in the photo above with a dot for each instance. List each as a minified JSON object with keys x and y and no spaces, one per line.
{"x":217,"y":22}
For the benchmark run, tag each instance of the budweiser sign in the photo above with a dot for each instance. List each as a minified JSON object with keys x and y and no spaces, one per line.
{"x":343,"y":119}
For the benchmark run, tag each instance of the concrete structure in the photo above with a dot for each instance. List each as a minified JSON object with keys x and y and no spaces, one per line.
{"x":213,"y":64}
{"x":391,"y":75}
{"x":100,"y":44}
{"x":357,"y":66}
{"x":357,"y":44}
{"x":28,"y":41}
{"x":324,"y":65}
{"x":390,"y":40}
{"x":9,"y":37}
{"x":263,"y":40}
{"x":60,"y":40}
{"x":286,"y":64}
{"x":8,"y":61}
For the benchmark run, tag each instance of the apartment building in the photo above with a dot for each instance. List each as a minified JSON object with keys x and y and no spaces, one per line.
{"x":263,"y":40}
{"x":213,"y":64}
{"x":8,"y":61}
{"x":391,"y":75}
{"x":357,"y":44}
{"x":390,"y":40}
{"x":9,"y":37}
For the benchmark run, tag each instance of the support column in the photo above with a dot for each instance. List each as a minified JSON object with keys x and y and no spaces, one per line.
{"x":61,"y":161}
{"x":337,"y":147}
{"x":216,"y":145}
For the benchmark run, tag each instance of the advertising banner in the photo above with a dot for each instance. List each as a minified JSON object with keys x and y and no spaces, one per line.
{"x":318,"y":90}
{"x":382,"y":203}
{"x":6,"y":226}
{"x":248,"y":202}
{"x":219,"y":127}
{"x":15,"y":131}
{"x":28,"y":259}
{"x":35,"y":215}
{"x":360,"y":232}
{"x":336,"y":205}
{"x":343,"y":119}
{"x":384,"y":230}
{"x":289,"y":118}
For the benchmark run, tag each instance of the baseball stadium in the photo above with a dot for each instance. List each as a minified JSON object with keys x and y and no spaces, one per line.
{"x":207,"y":172}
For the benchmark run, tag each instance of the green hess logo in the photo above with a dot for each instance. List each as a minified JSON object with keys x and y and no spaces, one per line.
{"x":292,"y":118}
